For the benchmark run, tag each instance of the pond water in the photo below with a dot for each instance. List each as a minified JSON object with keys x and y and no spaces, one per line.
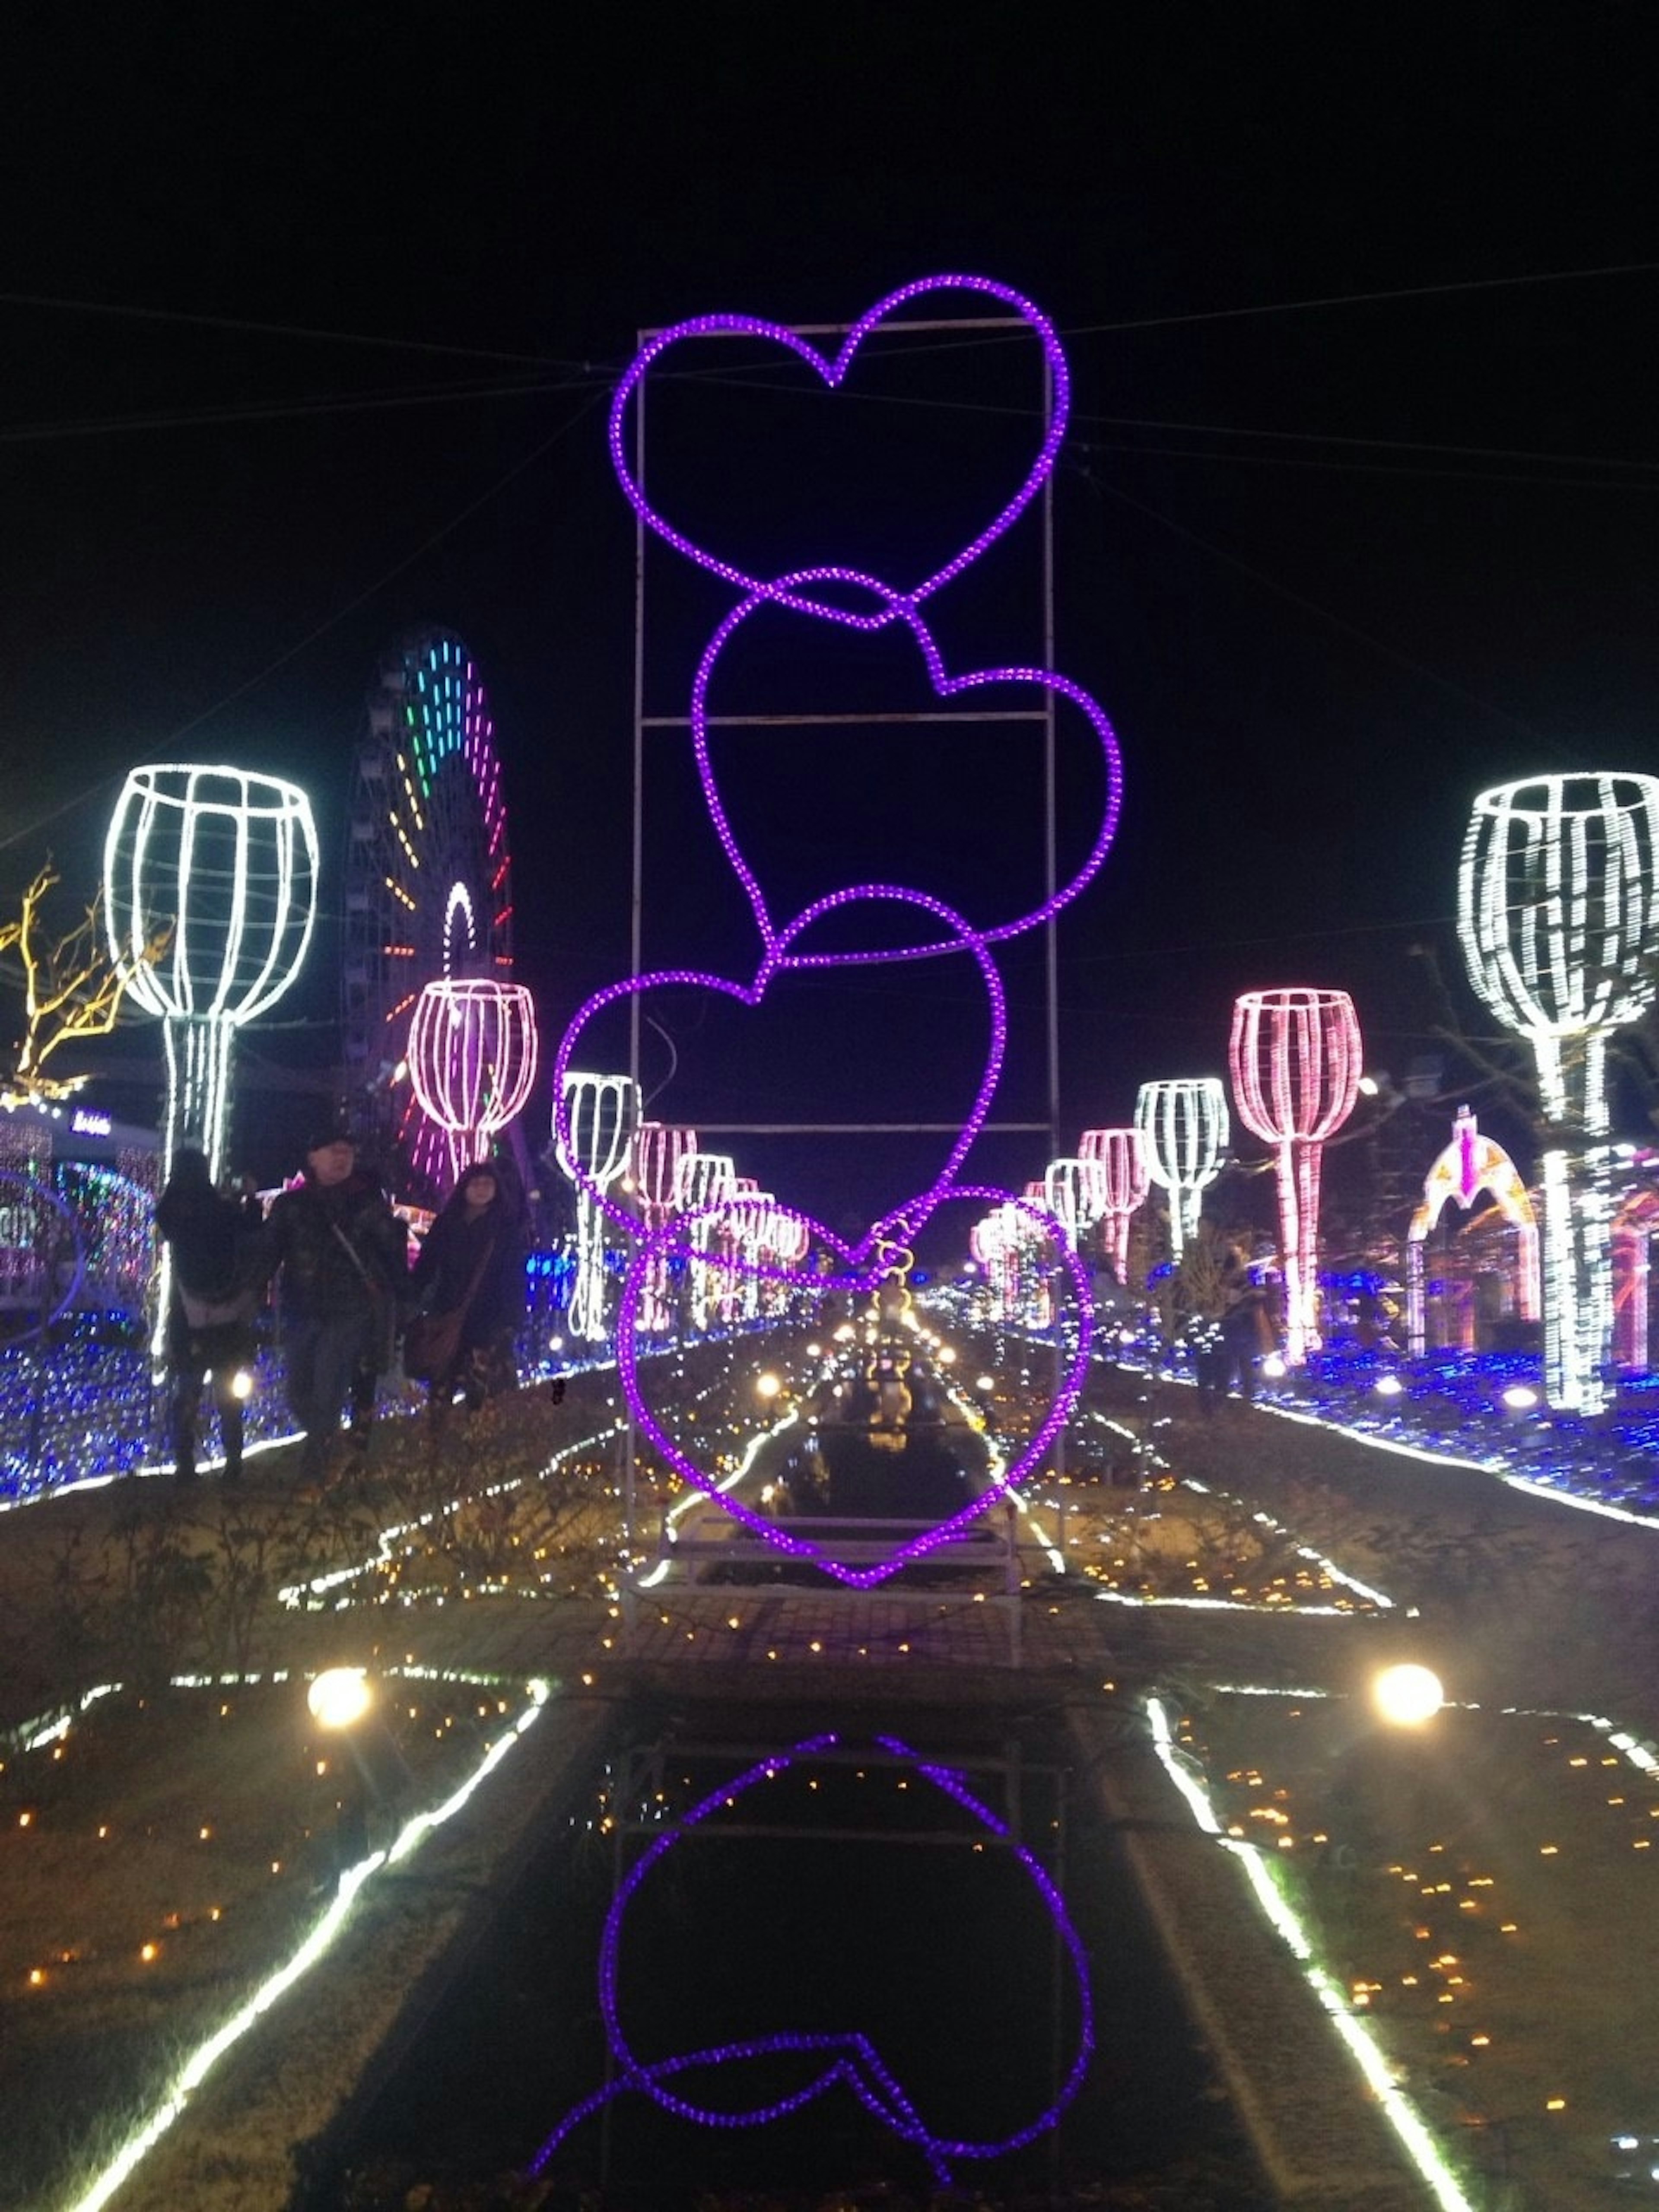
{"x":846,"y":1893}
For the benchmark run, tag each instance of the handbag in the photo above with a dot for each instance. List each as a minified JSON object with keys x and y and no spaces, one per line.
{"x":431,"y":1341}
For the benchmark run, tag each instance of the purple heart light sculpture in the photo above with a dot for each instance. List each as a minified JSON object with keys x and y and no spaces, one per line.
{"x":946,"y":686}
{"x":848,"y":2059}
{"x":833,"y":371}
{"x":860,"y":1268}
{"x":782,"y":959}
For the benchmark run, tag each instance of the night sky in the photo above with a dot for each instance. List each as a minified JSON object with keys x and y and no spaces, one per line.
{"x":1350,"y":523}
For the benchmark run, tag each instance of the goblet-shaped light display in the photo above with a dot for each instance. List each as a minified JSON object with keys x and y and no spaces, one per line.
{"x":653,"y":1159}
{"x":1074,"y":1192}
{"x":1183,"y":1126}
{"x":472,"y":1052}
{"x":1120,"y":1156}
{"x":603,"y":1110}
{"x":1296,"y":1066}
{"x":1557,"y":903}
{"x":227,"y":860}
{"x":701,"y":1180}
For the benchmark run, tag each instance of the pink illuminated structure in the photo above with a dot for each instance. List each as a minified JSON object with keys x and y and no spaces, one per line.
{"x":1470,"y":1165}
{"x":1120,"y":1156}
{"x":1296,"y":1067}
{"x":472,"y":1051}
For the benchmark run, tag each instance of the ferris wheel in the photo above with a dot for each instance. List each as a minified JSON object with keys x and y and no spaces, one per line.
{"x":429,"y":878}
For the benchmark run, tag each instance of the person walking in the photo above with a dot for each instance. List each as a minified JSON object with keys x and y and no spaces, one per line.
{"x":340,"y":1257}
{"x":470,"y":1283}
{"x":210,"y":1323}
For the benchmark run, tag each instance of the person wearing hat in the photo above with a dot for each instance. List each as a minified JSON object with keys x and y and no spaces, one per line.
{"x":341,"y":1257}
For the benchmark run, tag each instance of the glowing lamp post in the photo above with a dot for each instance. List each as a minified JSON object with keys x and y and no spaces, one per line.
{"x":472,"y":1061}
{"x":1557,"y":903}
{"x":1121,"y":1156}
{"x":602,"y":1111}
{"x":1296,"y":1066}
{"x":1183,"y":1126}
{"x":227,"y":860}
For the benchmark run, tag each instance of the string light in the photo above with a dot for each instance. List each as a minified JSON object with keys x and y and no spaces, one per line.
{"x":1470,"y":1164}
{"x":1184,"y":1131}
{"x":1120,"y":1156}
{"x":1558,"y":899}
{"x":1296,"y":1063}
{"x":593,"y":1121}
{"x":472,"y":1053}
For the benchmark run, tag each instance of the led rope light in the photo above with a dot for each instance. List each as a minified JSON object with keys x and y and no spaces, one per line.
{"x":858,"y":1275}
{"x":1296,"y":1066}
{"x":832,"y":372}
{"x":1184,"y":1129}
{"x":316,"y":1943}
{"x":472,"y":1053}
{"x":1357,"y":2036}
{"x":654,"y":1154}
{"x":1558,"y":902}
{"x":853,"y":2061}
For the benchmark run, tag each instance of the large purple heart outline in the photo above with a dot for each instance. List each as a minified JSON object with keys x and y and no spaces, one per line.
{"x":832,"y":372}
{"x":853,"y":2060}
{"x":945,"y":686}
{"x":778,"y":959}
{"x":858,"y":1278}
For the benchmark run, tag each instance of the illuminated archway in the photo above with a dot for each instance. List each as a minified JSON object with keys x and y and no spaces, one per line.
{"x":1470,"y":1164}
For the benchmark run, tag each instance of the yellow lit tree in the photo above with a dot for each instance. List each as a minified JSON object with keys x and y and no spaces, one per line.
{"x":71,"y":991}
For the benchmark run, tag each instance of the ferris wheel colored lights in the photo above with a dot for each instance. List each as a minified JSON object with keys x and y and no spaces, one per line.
{"x":1184,"y":1129}
{"x":1296,"y":1066}
{"x":1558,"y":902}
{"x":472,"y":1052}
{"x":428,"y":891}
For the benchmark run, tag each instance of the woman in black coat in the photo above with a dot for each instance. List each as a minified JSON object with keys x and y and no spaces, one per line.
{"x":209,"y":1328}
{"x":474,"y":1256}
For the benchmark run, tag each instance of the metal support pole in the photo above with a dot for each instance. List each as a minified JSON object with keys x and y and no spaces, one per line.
{"x":1051,"y":928}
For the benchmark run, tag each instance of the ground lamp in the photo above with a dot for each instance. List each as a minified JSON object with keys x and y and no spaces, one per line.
{"x":1183,"y":1126}
{"x":472,"y":1061}
{"x":603,"y":1111}
{"x":228,"y":861}
{"x":1558,"y":909}
{"x":1296,"y":1066}
{"x":1120,"y":1156}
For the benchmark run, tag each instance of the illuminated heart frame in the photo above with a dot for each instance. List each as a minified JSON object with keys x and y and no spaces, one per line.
{"x":946,"y":686}
{"x":852,"y":2060}
{"x":779,"y":960}
{"x":832,"y":372}
{"x":862,"y":1275}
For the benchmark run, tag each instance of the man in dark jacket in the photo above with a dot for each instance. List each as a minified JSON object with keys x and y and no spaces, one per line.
{"x":343,"y":1259}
